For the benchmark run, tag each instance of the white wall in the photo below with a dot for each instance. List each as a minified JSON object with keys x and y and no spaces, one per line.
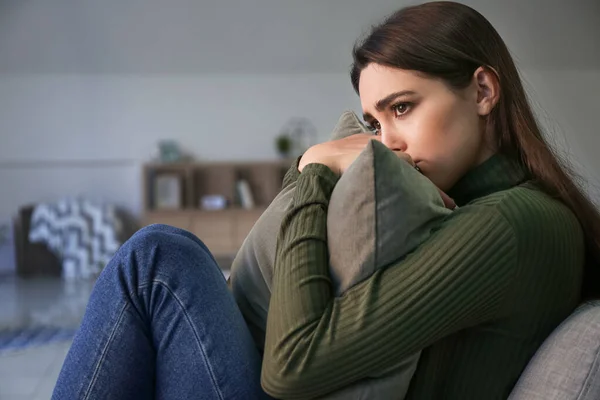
{"x":268,"y":36}
{"x":568,"y":108}
{"x":70,"y":134}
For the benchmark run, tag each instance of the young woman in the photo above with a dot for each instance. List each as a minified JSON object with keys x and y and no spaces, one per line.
{"x":438,"y":85}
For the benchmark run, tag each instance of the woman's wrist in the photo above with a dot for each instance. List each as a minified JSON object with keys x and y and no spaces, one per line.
{"x":316,"y":155}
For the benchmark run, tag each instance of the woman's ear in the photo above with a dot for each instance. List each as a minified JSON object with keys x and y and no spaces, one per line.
{"x":488,"y":89}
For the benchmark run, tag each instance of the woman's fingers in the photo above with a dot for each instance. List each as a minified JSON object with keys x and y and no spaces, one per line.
{"x":351,"y":146}
{"x":448,"y":202}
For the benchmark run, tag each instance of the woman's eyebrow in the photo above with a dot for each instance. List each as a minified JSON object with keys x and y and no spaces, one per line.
{"x":383,"y":103}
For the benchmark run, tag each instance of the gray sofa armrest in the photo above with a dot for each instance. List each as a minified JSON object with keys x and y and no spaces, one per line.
{"x":567,"y":365}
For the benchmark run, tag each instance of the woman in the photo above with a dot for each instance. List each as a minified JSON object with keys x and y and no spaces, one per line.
{"x":438,"y":85}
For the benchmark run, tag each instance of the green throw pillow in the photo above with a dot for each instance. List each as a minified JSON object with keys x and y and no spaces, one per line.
{"x":380,"y":210}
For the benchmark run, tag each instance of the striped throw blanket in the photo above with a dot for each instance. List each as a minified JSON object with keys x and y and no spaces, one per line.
{"x":82,"y":233}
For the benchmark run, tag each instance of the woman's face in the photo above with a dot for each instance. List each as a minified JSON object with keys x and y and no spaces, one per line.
{"x":441,"y":129}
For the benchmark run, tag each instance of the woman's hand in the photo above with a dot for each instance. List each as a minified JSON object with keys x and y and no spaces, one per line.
{"x":339,"y":154}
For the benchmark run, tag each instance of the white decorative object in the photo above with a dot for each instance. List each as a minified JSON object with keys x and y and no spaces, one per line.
{"x":213,"y":202}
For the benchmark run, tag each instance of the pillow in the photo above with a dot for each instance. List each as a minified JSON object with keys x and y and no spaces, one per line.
{"x":567,"y":365}
{"x":252,"y":268}
{"x":388,"y":207}
{"x":349,"y":124}
{"x":393,"y":208}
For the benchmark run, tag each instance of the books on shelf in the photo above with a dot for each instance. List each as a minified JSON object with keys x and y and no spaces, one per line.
{"x":211,"y":186}
{"x":245,"y":194}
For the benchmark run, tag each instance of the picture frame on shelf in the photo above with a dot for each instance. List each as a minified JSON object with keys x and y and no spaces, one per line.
{"x":168,"y":191}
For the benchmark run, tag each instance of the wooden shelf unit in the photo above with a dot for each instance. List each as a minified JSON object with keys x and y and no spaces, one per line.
{"x":223,"y":231}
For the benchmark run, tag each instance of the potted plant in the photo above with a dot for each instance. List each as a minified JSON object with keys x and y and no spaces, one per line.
{"x":283,"y":144}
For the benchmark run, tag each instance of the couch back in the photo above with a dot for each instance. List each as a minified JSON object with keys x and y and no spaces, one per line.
{"x":32,"y":258}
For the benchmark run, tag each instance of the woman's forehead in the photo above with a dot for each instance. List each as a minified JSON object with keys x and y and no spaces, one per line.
{"x":378,"y":81}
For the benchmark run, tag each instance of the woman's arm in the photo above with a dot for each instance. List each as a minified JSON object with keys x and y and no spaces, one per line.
{"x":316,"y":343}
{"x":292,"y":174}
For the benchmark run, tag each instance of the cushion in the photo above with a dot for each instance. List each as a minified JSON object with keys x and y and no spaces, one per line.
{"x":393,"y":208}
{"x":380,"y":209}
{"x":349,"y":124}
{"x":252,"y":268}
{"x":567,"y":365}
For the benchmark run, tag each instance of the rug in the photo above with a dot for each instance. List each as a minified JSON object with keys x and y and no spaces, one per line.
{"x":19,"y":339}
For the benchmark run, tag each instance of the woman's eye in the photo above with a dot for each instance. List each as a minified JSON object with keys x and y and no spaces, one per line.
{"x":400,"y":109}
{"x":374,"y":127}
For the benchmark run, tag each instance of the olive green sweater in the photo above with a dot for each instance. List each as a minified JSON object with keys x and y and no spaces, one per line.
{"x":479,"y":296}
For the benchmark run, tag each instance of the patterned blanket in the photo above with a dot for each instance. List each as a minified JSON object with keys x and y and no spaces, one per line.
{"x":82,"y":233}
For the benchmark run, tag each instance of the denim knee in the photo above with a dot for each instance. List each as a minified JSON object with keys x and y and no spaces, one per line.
{"x":171,"y":230}
{"x":154,"y":244}
{"x":148,"y":232}
{"x":156,"y":234}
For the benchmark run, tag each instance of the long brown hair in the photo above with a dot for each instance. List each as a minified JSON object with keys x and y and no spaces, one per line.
{"x":450,"y":41}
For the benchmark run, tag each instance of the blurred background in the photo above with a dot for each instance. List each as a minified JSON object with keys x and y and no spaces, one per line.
{"x":125,"y":113}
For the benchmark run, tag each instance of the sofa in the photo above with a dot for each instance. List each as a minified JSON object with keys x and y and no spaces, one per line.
{"x":35,"y":259}
{"x":32,"y":259}
{"x":567,"y":365}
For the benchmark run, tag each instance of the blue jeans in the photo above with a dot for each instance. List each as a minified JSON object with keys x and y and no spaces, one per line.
{"x":161,"y":323}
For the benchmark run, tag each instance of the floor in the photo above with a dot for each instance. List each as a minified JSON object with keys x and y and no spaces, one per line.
{"x":42,"y":302}
{"x":31,"y":374}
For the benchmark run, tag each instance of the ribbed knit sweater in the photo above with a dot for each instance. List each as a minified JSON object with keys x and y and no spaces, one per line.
{"x":479,"y":296}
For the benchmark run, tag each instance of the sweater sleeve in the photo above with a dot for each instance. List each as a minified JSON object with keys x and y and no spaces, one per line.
{"x":292,"y":174}
{"x":317,"y":343}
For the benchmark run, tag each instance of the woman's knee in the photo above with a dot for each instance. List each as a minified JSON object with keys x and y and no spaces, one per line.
{"x":162,"y":246}
{"x":159,"y":234}
{"x":156,"y":231}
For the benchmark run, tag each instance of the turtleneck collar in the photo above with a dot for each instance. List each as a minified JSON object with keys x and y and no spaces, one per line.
{"x":497,"y":173}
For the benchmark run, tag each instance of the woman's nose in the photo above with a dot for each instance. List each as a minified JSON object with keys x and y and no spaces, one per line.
{"x":392,"y":139}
